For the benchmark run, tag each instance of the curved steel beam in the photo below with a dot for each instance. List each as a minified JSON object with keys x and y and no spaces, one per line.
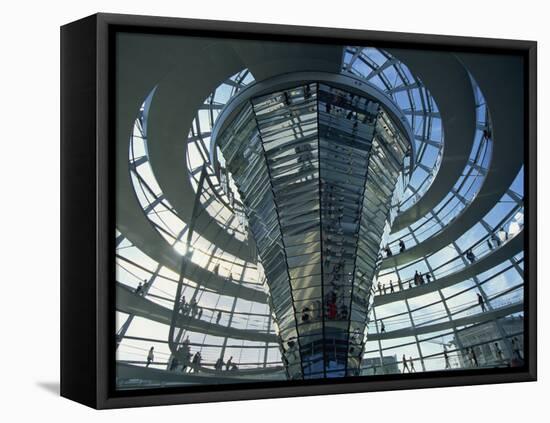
{"x":500,"y":78}
{"x":450,"y":86}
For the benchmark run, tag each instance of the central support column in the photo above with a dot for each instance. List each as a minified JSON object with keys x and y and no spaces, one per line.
{"x":319,"y":170}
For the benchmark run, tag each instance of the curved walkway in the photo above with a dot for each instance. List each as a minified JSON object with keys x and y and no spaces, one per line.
{"x":510,"y":249}
{"x":204,"y":278}
{"x":130,"y":371}
{"x":129,"y":302}
{"x":483,"y":317}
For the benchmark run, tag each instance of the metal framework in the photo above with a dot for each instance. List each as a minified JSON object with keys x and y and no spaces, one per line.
{"x":433,"y":321}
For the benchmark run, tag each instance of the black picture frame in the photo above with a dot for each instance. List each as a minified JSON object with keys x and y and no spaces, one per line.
{"x":88,"y":218}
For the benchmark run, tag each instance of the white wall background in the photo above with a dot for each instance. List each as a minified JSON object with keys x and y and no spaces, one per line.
{"x":29,"y":235}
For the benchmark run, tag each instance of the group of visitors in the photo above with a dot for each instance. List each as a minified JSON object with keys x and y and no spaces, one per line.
{"x":184,"y":357}
{"x":192,"y":362}
{"x":334,"y":309}
{"x":495,"y":240}
{"x":188,"y":361}
{"x":229,"y":365}
{"x":417,"y":280}
{"x":192,"y":308}
{"x":350,"y":105}
{"x":383,"y":288}
{"x":402,"y":248}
